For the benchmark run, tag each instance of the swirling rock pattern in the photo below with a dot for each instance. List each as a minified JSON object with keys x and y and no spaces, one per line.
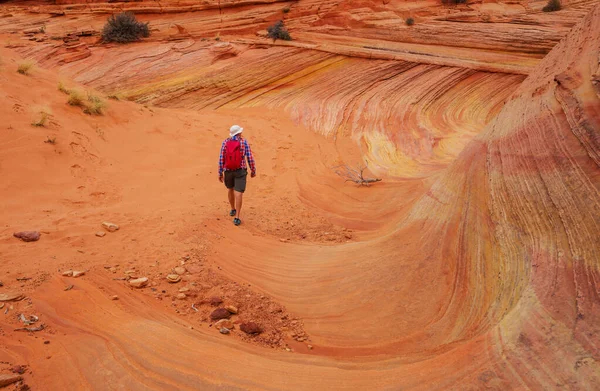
{"x":481,"y":271}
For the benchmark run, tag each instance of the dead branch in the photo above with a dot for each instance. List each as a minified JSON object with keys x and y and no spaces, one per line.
{"x":355,"y":175}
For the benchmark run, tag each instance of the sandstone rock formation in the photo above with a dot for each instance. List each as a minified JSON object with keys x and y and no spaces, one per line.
{"x":473,"y":266}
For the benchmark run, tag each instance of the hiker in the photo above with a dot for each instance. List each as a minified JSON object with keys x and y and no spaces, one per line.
{"x":232,"y":161}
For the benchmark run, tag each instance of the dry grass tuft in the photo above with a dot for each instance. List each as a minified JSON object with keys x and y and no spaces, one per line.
{"x":76,"y":98}
{"x":95,"y":105}
{"x":41,"y":117}
{"x":25,"y":67}
{"x":62,"y":88}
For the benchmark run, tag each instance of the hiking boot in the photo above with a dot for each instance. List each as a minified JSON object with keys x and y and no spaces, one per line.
{"x":237,"y":221}
{"x":232,"y":212}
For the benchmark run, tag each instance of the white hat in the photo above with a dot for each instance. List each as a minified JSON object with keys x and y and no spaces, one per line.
{"x":235,"y":129}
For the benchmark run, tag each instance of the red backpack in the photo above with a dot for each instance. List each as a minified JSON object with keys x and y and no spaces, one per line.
{"x":233,"y":155}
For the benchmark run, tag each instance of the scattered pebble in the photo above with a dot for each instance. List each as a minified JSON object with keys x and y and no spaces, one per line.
{"x":11,"y":296}
{"x":6,"y":379}
{"x":215,"y":301}
{"x":139,"y":282}
{"x":110,"y":227}
{"x":224,"y":330}
{"x":224,"y":323}
{"x":46,"y":342}
{"x":181,"y":296}
{"x":220,"y":313}
{"x":68,"y":273}
{"x":173,"y":278}
{"x":232,"y":309}
{"x":77,"y":273}
{"x":101,"y":234}
{"x":115,"y":297}
{"x":179,"y":270}
{"x":27,"y":236}
{"x":310,"y":347}
{"x":18,"y":369}
{"x":68,"y":288}
{"x":250,"y":328}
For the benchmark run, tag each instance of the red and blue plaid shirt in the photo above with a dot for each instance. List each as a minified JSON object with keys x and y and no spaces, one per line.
{"x":246,"y":154}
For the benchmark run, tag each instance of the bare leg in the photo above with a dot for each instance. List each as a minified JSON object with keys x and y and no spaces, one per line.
{"x":238,"y":203}
{"x":231,"y":198}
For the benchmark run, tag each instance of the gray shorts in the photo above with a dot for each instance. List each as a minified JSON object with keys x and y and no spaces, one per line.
{"x":236,"y":179}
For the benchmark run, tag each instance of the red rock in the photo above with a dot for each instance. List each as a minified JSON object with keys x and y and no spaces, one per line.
{"x":220,"y":313}
{"x":215,"y":301}
{"x":27,"y":236}
{"x":6,"y":379}
{"x":250,"y":328}
{"x":18,"y":369}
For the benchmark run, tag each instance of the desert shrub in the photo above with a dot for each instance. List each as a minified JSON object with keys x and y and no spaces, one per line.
{"x":95,"y":105}
{"x":62,"y":88}
{"x":123,"y":28}
{"x":50,"y":140}
{"x":410,"y":21}
{"x":76,"y":98}
{"x":25,"y":67}
{"x":553,"y":5}
{"x":278,"y":31}
{"x":41,"y":118}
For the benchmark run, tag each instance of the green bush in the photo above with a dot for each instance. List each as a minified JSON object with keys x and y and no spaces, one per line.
{"x":553,"y":5}
{"x":410,"y":21}
{"x":124,"y":28}
{"x":278,"y":31}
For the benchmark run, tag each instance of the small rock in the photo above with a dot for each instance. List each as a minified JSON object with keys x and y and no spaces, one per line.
{"x":179,"y":270}
{"x":181,"y":296}
{"x":139,"y":282}
{"x":231,"y":309}
{"x":228,"y":324}
{"x":310,"y":347}
{"x":46,"y":342}
{"x":1,"y":284}
{"x":224,"y":330}
{"x":220,"y":313}
{"x":68,"y":273}
{"x":288,"y":349}
{"x":250,"y":328}
{"x":215,"y":301}
{"x":6,"y":379}
{"x":184,"y":289}
{"x":100,"y":234}
{"x":78,"y":273}
{"x":27,"y":236}
{"x":129,"y":271}
{"x":113,"y":269}
{"x":18,"y":369}
{"x":110,"y":227}
{"x":173,"y":278}
{"x":115,"y":297}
